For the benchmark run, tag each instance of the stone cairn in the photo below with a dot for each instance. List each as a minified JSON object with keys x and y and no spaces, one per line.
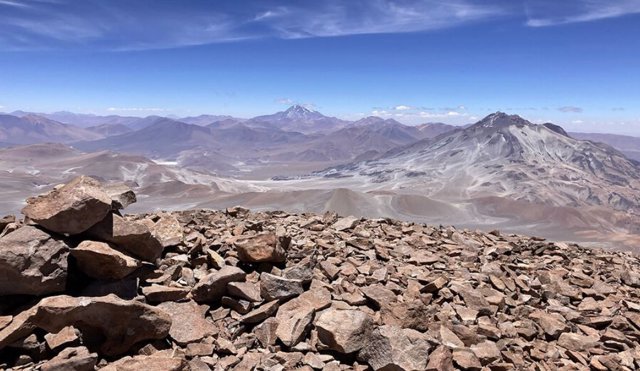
{"x":83,"y":287}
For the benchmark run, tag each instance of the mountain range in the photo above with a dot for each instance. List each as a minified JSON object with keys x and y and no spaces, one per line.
{"x":502,"y":171}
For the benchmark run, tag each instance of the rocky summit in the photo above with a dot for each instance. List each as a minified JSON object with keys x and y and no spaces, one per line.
{"x":85,"y":287}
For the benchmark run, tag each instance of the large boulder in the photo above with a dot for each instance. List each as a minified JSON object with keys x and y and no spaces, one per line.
{"x":395,"y":348}
{"x":32,"y":262}
{"x":132,"y":237}
{"x":107,"y":323}
{"x":101,"y":261}
{"x":72,"y":208}
{"x":343,"y":330}
{"x":263,"y":247}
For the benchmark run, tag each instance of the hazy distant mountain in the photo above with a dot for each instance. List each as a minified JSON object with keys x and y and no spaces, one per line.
{"x":82,"y":120}
{"x":628,"y":145}
{"x":163,"y":137}
{"x":109,"y":130}
{"x":36,"y":129}
{"x":300,"y":119}
{"x":204,"y":120}
{"x":507,"y":156}
{"x":363,"y":139}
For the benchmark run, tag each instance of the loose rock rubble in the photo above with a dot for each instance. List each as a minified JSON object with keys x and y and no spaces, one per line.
{"x":235,"y":290}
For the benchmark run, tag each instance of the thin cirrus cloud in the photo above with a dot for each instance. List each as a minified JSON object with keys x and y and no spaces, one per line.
{"x":149,"y":24}
{"x":570,"y":109}
{"x":544,"y":13}
{"x":152,"y":24}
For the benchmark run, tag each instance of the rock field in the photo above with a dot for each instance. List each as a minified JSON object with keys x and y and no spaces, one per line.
{"x":84,"y":287}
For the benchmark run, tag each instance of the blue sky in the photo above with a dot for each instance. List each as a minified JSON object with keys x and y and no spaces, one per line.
{"x":576,"y":62}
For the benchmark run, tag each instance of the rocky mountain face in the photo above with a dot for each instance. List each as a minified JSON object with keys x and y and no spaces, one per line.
{"x":84,"y":287}
{"x":507,"y":156}
{"x":628,"y":145}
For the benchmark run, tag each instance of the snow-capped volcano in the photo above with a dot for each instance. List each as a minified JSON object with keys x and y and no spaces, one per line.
{"x":298,"y":118}
{"x":298,"y":112}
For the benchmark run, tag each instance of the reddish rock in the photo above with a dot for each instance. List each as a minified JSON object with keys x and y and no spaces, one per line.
{"x":71,"y":209}
{"x":213,"y":286}
{"x":72,"y":359}
{"x":343,"y":330}
{"x":101,"y":261}
{"x":394,"y":348}
{"x":32,"y":262}
{"x":188,"y":323}
{"x":131,"y":237}
{"x":148,"y":363}
{"x":264,"y":247}
{"x":110,"y":323}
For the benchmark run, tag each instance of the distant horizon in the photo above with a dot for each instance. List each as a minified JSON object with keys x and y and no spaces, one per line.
{"x":176,"y":117}
{"x":574,"y":63}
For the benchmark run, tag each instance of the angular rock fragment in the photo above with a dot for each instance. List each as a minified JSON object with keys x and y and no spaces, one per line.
{"x":148,"y":363}
{"x":101,"y":261}
{"x":278,"y":288}
{"x":111,"y":324}
{"x":345,"y":223}
{"x":394,"y":348}
{"x":264,"y":247}
{"x":245,"y":290}
{"x":486,"y":351}
{"x":32,"y":262}
{"x":71,"y":209}
{"x":343,"y":330}
{"x":294,"y":318}
{"x":129,"y":236}
{"x":160,"y":294}
{"x":167,"y":231}
{"x":213,"y":286}
{"x":72,"y":359}
{"x":67,"y":336}
{"x":440,"y":359}
{"x":263,"y":312}
{"x":188,"y":323}
{"x":121,"y":195}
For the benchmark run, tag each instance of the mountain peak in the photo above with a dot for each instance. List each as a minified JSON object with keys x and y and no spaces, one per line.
{"x":299,"y":112}
{"x":299,"y":108}
{"x":500,"y":120}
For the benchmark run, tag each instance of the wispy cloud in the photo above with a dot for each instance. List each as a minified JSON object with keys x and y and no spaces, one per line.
{"x":339,"y":18}
{"x":149,"y":24}
{"x":552,"y":12}
{"x":570,"y":109}
{"x":414,"y":115}
{"x":286,"y":101}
